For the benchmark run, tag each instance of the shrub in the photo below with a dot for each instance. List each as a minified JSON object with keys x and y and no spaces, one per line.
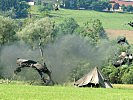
{"x":127,"y":77}
{"x":117,"y":75}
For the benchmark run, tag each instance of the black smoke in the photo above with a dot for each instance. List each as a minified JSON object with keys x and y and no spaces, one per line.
{"x":61,"y":57}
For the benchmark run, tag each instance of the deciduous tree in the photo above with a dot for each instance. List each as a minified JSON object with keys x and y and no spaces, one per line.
{"x":7,"y":30}
{"x":68,"y":26}
{"x":93,"y":31}
{"x":40,"y":31}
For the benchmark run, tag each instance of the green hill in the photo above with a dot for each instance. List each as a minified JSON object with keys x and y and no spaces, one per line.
{"x":115,"y":24}
{"x":109,"y":20}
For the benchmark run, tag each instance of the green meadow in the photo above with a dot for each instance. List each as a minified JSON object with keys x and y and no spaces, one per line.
{"x":29,"y":92}
{"x":109,"y":20}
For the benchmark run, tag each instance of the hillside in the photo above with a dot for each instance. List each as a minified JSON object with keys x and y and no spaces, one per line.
{"x":115,"y":24}
{"x":109,"y":20}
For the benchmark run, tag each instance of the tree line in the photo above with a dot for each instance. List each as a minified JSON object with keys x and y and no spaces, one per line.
{"x":13,"y":30}
{"x":14,"y":8}
{"x":21,"y":8}
{"x":87,"y":4}
{"x":98,"y":5}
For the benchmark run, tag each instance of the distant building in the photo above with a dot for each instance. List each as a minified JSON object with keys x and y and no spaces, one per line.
{"x":31,"y":2}
{"x":121,"y":2}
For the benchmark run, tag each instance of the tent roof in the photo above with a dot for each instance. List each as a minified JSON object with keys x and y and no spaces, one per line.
{"x":94,"y":77}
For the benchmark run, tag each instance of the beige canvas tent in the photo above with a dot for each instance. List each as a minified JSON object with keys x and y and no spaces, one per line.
{"x":93,"y":79}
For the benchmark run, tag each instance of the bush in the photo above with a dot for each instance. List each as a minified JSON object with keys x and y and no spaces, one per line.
{"x":107,"y":70}
{"x":127,"y":77}
{"x":111,"y":73}
{"x":119,"y":75}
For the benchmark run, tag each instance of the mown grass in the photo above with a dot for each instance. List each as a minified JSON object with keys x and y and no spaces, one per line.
{"x":109,"y":20}
{"x":29,"y":92}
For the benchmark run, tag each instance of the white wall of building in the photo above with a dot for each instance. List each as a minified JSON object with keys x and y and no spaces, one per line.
{"x":31,"y":3}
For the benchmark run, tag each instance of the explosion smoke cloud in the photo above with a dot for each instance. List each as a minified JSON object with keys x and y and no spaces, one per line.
{"x":61,"y":56}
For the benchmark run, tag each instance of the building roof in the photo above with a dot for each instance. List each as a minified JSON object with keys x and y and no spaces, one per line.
{"x":122,"y":2}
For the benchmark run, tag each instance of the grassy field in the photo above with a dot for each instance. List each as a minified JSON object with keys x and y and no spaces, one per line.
{"x":28,"y":92}
{"x":115,"y":24}
{"x":109,"y":20}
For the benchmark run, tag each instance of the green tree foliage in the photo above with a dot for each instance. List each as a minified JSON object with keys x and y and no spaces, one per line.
{"x":119,"y":75}
{"x":111,"y":73}
{"x":6,"y":4}
{"x":45,"y":10}
{"x":93,"y":31}
{"x":44,"y":7}
{"x":116,"y":6}
{"x":109,"y":6}
{"x":17,"y":8}
{"x":123,"y":7}
{"x":78,"y":72}
{"x":7,"y":30}
{"x":68,"y":26}
{"x":37,"y":2}
{"x":127,"y":8}
{"x":40,"y":31}
{"x":86,"y":4}
{"x":21,"y":9}
{"x":127,"y":77}
{"x":99,"y":5}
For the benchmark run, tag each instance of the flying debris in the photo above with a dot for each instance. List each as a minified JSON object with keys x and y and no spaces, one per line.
{"x":41,"y":69}
{"x":130,"y":24}
{"x":122,"y":40}
{"x":124,"y":58}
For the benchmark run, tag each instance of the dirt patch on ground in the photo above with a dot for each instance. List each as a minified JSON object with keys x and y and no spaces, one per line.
{"x":113,"y":34}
